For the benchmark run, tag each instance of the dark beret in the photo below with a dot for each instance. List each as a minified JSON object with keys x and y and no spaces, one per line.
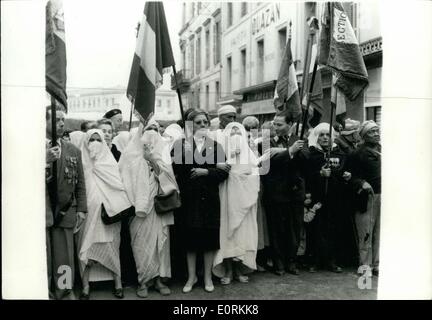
{"x":112,"y":113}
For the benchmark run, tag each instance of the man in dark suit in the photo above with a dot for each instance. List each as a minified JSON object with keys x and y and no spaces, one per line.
{"x":66,"y":208}
{"x":284,"y":193}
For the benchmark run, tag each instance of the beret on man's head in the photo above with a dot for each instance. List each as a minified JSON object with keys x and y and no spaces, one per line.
{"x":226,"y":109}
{"x":366,"y":127}
{"x":112,"y":113}
{"x":351,"y":126}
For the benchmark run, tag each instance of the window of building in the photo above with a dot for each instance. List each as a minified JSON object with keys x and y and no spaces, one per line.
{"x":112,"y":101}
{"x":207,"y":97}
{"x":184,"y":14}
{"x":193,"y":10}
{"x":229,"y":14}
{"x":158,"y":103}
{"x":374,"y":113}
{"x":198,"y":97}
{"x":183,"y":57}
{"x":260,"y":61}
{"x":217,"y":90}
{"x":199,"y":7}
{"x":282,"y":35}
{"x":243,"y":68}
{"x":217,"y":42}
{"x":168,"y":105}
{"x":229,"y":74}
{"x":192,"y":56}
{"x":198,"y":55}
{"x":244,"y":8}
{"x":207,"y":49}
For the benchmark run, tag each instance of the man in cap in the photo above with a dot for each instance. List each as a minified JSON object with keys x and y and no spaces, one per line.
{"x":365,"y":166}
{"x":66,"y":207}
{"x":115,"y":115}
{"x":347,"y":141}
{"x":349,"y":136}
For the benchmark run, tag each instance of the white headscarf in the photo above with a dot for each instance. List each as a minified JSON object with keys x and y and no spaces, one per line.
{"x":77,"y":138}
{"x":101,"y":168}
{"x":173,"y":133}
{"x":121,"y":140}
{"x":243,"y":183}
{"x":313,"y":137}
{"x":103,"y":186}
{"x":140,"y":182}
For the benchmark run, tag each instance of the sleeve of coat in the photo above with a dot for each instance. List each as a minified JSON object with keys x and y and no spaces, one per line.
{"x":217,"y":174}
{"x":80,"y":189}
{"x":353,"y":165}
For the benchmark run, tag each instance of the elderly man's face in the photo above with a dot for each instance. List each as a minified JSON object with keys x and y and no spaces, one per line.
{"x":117,"y":121}
{"x":60,"y":122}
{"x":227,"y":118}
{"x":372,"y":136}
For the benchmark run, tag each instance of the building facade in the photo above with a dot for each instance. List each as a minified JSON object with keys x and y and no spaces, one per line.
{"x":252,"y":41}
{"x":200,"y":45}
{"x":92,"y":104}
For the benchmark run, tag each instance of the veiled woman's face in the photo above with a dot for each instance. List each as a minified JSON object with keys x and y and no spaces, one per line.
{"x":95,"y":137}
{"x":200,"y":122}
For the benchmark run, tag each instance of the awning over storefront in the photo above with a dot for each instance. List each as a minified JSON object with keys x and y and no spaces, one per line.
{"x":258,"y":107}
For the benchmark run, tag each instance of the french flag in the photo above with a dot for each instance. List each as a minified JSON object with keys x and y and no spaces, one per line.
{"x":153,"y":53}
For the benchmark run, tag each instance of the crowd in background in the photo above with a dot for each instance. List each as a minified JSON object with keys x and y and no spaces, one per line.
{"x":238,"y":197}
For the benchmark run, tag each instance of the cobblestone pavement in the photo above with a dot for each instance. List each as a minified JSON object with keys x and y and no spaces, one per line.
{"x":262,"y":286}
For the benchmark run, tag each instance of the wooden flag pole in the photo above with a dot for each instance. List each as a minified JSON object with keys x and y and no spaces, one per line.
{"x":332,"y":109}
{"x":179,"y":95}
{"x":305,"y":114}
{"x":53,"y":184}
{"x":130,"y":117}
{"x":305,"y":79}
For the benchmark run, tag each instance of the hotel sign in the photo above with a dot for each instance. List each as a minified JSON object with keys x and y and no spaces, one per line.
{"x":265,"y":18}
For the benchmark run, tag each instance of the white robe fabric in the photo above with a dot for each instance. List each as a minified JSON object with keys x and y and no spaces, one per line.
{"x":238,"y":198}
{"x":121,"y":140}
{"x":77,"y":138}
{"x":149,"y":231}
{"x":97,"y":241}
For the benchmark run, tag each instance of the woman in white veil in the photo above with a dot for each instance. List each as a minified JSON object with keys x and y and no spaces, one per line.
{"x":145,"y":168}
{"x":98,"y":243}
{"x":239,"y":196}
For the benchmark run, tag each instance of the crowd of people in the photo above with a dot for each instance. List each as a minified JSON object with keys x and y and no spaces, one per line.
{"x":215,"y":199}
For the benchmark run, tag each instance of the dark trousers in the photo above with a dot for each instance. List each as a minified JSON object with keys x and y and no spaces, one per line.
{"x":284,"y":224}
{"x":60,"y":261}
{"x":127,"y":262}
{"x":323,"y":239}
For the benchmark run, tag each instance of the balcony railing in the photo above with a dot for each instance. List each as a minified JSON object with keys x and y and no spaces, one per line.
{"x":183,"y":80}
{"x":371,"y":46}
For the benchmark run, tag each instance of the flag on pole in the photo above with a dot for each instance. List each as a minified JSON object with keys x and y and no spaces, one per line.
{"x":55,"y":52}
{"x":286,"y":97}
{"x":340,"y":52}
{"x":153,"y":53}
{"x":317,"y":93}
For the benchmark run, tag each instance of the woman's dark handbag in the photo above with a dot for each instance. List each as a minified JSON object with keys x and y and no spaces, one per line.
{"x":127,"y":213}
{"x":164,"y":203}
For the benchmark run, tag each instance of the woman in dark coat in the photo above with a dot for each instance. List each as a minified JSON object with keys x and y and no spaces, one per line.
{"x":195,"y":160}
{"x":325,"y":181}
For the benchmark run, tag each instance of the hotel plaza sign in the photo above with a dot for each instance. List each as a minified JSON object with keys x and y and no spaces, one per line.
{"x":265,"y":17}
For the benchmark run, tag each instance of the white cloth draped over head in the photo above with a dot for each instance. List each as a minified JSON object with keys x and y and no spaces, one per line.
{"x":321,"y":128}
{"x":140,"y":181}
{"x":226,"y":109}
{"x":366,"y":127}
{"x":243,"y":182}
{"x":77,"y":138}
{"x":103,"y":186}
{"x":173,"y":133}
{"x":121,"y":140}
